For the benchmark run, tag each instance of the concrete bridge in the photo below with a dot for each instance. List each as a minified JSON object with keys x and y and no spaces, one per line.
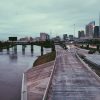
{"x":13,"y":44}
{"x":22,"y":42}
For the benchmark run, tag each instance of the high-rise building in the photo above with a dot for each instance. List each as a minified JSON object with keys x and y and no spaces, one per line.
{"x":90,"y":29}
{"x":81,"y":34}
{"x":96,"y":32}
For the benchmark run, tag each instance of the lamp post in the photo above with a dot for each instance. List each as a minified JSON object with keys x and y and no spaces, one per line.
{"x":74,"y":31}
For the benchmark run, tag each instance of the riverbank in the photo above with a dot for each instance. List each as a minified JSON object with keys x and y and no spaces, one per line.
{"x":37,"y":77}
{"x":45,"y":58}
{"x":11,"y":72}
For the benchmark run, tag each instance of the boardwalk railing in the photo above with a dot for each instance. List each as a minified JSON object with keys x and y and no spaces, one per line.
{"x":50,"y":81}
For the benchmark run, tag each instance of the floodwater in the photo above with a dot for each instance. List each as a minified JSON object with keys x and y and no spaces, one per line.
{"x":12,"y":67}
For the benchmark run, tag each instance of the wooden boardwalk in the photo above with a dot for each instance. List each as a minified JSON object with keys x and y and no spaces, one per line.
{"x":71,"y":79}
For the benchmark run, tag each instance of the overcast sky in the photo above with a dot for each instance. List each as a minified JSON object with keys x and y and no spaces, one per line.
{"x":30,"y":17}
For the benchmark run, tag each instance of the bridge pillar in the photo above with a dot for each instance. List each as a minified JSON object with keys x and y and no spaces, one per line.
{"x":41,"y":50}
{"x":1,"y":49}
{"x":8,"y":50}
{"x":23,"y":49}
{"x":32,"y":49}
{"x":15,"y":49}
{"x":53,"y":47}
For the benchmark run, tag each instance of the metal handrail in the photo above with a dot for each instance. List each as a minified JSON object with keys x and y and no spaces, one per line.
{"x":49,"y":82}
{"x":24,"y":89}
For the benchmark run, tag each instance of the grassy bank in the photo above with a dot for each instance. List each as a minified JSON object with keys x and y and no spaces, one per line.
{"x":45,"y":58}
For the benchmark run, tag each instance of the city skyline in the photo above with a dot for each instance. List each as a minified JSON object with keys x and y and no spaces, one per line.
{"x":29,"y":18}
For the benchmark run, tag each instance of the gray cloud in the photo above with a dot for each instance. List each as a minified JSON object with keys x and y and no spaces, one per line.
{"x":34,"y":16}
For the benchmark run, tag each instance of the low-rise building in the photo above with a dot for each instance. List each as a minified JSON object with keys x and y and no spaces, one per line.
{"x":71,"y":37}
{"x":81,"y":34}
{"x":56,"y":39}
{"x":37,"y":39}
{"x":65,"y":37}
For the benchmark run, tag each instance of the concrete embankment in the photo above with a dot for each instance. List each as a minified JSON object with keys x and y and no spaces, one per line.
{"x":35,"y":80}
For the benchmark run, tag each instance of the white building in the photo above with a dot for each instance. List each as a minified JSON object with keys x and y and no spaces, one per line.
{"x":44,"y":36}
{"x":90,"y":30}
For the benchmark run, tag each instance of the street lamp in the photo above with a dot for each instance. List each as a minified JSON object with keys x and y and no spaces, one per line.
{"x":74,"y":31}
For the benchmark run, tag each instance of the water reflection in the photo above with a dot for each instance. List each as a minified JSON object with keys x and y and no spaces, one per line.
{"x":8,"y":51}
{"x":13,"y":56}
{"x":31,"y":53}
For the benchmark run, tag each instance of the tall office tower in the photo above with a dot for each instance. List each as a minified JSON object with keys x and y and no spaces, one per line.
{"x":90,"y":30}
{"x":96,"y":32}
